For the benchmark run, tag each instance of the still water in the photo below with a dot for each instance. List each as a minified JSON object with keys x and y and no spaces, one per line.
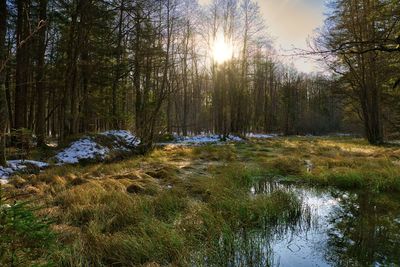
{"x":336,"y":228}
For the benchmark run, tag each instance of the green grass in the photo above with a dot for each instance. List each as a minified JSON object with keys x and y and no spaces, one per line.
{"x":178,"y":204}
{"x":119,"y":228}
{"x":346,"y":163}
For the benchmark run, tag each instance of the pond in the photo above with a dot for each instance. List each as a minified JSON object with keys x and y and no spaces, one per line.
{"x":340,"y":228}
{"x":334,"y":228}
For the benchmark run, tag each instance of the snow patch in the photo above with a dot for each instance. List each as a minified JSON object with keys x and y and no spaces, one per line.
{"x":87,"y":148}
{"x":14,"y":166}
{"x":204,"y":139}
{"x":393,"y":142}
{"x":261,"y":136}
{"x":21,"y":163}
{"x":82,"y":149}
{"x":123,"y":136}
{"x":214,"y":138}
{"x":234,"y":138}
{"x":201,"y":139}
{"x":343,"y":134}
{"x":91,"y":148}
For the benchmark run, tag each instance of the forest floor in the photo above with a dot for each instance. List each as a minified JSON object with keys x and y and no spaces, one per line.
{"x":173,"y":205}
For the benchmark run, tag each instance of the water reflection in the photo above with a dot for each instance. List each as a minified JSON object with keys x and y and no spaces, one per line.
{"x":365,"y":231}
{"x":334,"y":228}
{"x":304,"y":244}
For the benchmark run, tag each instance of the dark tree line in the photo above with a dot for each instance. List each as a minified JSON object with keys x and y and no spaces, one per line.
{"x":79,"y":66}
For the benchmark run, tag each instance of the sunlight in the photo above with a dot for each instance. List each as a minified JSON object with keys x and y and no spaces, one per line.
{"x":222,"y":50}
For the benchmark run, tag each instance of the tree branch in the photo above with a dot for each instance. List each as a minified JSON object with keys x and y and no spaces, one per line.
{"x":42,"y":24}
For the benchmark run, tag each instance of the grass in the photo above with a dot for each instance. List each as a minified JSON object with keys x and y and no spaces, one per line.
{"x":346,"y":163}
{"x":113,"y":227}
{"x":178,"y":204}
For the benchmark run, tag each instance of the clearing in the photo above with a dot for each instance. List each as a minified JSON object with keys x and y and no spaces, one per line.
{"x":264,"y":202}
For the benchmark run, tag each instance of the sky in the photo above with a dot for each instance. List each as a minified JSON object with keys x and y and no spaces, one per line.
{"x":290,"y":23}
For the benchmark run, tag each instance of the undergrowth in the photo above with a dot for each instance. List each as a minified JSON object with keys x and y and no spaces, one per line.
{"x":181,"y":206}
{"x":113,"y":227}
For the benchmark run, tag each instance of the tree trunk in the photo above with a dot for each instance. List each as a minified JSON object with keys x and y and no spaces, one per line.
{"x":87,"y":123}
{"x":185,"y":81}
{"x":40,"y":84}
{"x":115,"y":120}
{"x":3,"y":101}
{"x":69,"y":102}
{"x":21,"y":76}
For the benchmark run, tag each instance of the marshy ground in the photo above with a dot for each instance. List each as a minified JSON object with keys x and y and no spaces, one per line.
{"x":196,"y":206}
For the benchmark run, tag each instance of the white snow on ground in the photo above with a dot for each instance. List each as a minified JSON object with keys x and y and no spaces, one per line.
{"x":6,"y":172}
{"x":343,"y":134}
{"x":87,"y":148}
{"x":21,"y":163}
{"x":393,"y":142}
{"x":84,"y":148}
{"x":204,"y":139}
{"x":261,"y":136}
{"x":123,"y":136}
{"x":235,"y":138}
{"x":18,"y":165}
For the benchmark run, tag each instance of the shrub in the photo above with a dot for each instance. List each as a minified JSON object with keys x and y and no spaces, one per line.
{"x":25,"y":238}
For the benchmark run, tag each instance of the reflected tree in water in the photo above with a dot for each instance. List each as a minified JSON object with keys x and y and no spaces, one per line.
{"x":365,"y":231}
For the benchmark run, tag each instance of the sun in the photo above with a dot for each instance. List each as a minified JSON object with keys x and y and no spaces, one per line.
{"x":222,"y":50}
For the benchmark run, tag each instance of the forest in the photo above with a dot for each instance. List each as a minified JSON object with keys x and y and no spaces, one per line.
{"x":177,"y":133}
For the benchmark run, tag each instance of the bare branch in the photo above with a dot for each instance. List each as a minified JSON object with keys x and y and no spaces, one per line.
{"x":42,"y":24}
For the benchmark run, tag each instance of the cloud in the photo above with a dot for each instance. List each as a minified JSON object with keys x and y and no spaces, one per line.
{"x":291,"y":22}
{"x":204,"y":2}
